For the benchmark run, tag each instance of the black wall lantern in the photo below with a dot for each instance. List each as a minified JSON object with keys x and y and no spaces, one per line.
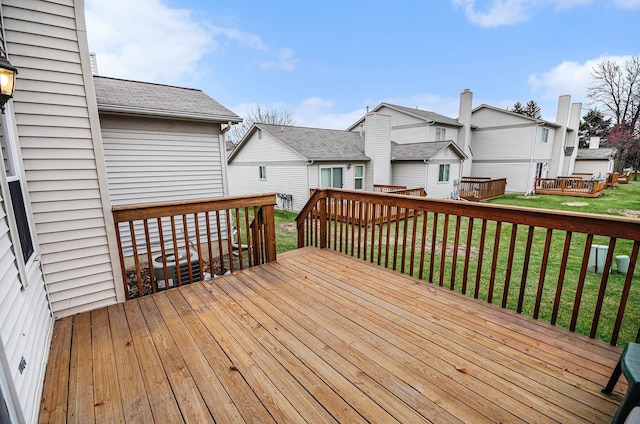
{"x":7,"y":81}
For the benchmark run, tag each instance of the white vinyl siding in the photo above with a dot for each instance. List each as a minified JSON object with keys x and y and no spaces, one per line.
{"x":516,"y":173}
{"x":409,"y":174}
{"x":61,"y":151}
{"x":25,"y":324}
{"x":149,"y":160}
{"x":441,"y":190}
{"x":283,"y":179}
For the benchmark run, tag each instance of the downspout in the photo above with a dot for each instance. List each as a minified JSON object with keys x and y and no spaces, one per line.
{"x":223,"y":154}
{"x":426,"y":175}
{"x":309,"y":163}
{"x":530,"y":177}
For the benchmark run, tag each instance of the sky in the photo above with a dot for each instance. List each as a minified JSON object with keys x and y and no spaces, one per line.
{"x":326,"y":62}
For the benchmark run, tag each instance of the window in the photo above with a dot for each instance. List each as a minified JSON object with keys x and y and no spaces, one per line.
{"x":545,"y":135}
{"x":358,"y":179}
{"x":441,"y":134}
{"x":443,"y":173}
{"x":20,"y":228}
{"x":263,"y":173}
{"x":331,"y":177}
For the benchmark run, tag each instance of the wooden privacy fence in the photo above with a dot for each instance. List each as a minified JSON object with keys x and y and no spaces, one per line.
{"x":481,"y":189}
{"x":536,"y":262}
{"x":570,"y":186}
{"x":169,"y":244}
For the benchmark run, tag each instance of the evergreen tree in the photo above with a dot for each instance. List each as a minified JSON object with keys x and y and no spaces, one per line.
{"x":594,"y":124}
{"x":532,"y":109}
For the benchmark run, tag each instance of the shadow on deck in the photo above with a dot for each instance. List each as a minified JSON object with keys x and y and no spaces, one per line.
{"x":319,"y":336}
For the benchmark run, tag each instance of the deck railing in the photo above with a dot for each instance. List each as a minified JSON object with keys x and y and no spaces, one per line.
{"x":536,"y":262}
{"x":612,"y":179}
{"x":385,"y":188}
{"x":164,"y":245}
{"x":570,"y":186}
{"x":481,"y":189}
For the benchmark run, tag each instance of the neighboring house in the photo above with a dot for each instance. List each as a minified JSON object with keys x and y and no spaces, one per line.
{"x":596,"y":161}
{"x":161,"y":143}
{"x":520,"y":148}
{"x":67,"y":157}
{"x":434,"y":166}
{"x":293,"y":160}
{"x":415,"y":148}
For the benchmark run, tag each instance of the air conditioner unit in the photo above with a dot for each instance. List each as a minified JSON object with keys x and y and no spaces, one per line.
{"x":183,"y":260}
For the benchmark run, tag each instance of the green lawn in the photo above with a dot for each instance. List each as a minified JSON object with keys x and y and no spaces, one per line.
{"x":624,"y":200}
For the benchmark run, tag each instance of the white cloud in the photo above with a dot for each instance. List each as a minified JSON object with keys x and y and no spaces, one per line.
{"x":285,"y":62}
{"x":145,"y":39}
{"x":499,"y":12}
{"x":627,"y":4}
{"x":569,"y":78}
{"x":511,"y":12}
{"x":150,"y":41}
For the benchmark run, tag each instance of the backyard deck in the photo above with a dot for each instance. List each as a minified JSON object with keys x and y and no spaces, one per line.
{"x":319,"y":336}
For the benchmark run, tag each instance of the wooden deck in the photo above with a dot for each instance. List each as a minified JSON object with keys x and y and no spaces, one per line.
{"x":321,"y":337}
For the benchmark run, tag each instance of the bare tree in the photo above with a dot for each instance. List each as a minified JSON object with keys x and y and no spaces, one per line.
{"x":617,"y":90}
{"x":259,"y":114}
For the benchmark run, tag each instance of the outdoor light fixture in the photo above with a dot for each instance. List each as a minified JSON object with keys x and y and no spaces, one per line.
{"x":7,"y":81}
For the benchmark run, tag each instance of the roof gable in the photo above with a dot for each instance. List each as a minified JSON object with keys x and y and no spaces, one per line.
{"x":144,"y":98}
{"x":423,"y":115}
{"x":514,"y":115}
{"x":315,"y":144}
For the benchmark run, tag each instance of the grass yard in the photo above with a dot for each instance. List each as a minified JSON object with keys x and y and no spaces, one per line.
{"x":624,"y":200}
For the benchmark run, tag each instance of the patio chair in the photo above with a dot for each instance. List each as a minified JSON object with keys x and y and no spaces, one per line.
{"x":629,"y":365}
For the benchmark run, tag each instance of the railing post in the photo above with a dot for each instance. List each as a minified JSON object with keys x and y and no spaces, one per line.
{"x":323,"y":222}
{"x":269,"y":234}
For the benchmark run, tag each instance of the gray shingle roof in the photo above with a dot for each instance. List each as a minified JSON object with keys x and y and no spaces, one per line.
{"x":603,"y":153}
{"x":144,"y":98}
{"x":424,"y":114}
{"x":421,"y":151}
{"x":319,"y":144}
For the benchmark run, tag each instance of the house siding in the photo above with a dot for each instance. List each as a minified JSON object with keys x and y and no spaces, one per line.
{"x":152,"y":160}
{"x":595,"y":167}
{"x":441,"y":190}
{"x":286,"y":170}
{"x":519,"y":175}
{"x":409,"y":174}
{"x":25,"y":325}
{"x":284,"y":179}
{"x":62,"y":153}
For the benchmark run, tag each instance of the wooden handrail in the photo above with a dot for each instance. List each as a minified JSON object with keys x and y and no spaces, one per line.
{"x":169,"y":244}
{"x":534,"y":261}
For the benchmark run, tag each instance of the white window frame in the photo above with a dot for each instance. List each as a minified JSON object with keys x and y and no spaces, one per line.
{"x":441,"y":133}
{"x":356,"y":178}
{"x":10,"y":136}
{"x":446,"y":167}
{"x":544,"y":137}
{"x":262,"y":170}
{"x":331,"y":168}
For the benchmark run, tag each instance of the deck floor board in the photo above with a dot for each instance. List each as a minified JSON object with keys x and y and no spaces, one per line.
{"x":319,"y":336}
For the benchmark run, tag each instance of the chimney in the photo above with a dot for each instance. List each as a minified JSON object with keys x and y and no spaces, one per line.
{"x":377,"y":145}
{"x":464,"y":134}
{"x":557,"y":165}
{"x":94,"y":64}
{"x":594,"y":142}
